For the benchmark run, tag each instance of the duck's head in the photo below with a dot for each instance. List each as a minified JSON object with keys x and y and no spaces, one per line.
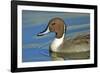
{"x":56,"y":25}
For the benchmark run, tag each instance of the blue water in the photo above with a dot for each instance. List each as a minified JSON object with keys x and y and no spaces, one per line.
{"x":36,"y":48}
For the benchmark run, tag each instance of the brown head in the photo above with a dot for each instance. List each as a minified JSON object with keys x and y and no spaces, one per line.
{"x":56,"y":25}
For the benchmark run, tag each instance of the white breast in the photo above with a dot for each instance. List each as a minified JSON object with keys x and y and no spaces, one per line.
{"x":56,"y":44}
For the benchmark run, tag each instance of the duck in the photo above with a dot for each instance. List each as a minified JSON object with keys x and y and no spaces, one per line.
{"x":62,"y":48}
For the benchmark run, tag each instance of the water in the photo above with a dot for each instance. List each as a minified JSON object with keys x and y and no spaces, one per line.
{"x":36,"y":48}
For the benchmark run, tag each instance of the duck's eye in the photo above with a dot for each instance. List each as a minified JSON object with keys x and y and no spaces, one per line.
{"x":53,"y":23}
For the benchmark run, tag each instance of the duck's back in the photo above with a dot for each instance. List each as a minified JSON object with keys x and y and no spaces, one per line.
{"x":77,"y":48}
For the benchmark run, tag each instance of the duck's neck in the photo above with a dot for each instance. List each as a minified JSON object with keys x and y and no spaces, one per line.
{"x":57,"y":43}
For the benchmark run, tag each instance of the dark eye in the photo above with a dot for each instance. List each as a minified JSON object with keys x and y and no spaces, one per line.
{"x":53,"y":23}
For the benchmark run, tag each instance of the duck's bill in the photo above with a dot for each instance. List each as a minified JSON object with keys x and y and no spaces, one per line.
{"x":44,"y":32}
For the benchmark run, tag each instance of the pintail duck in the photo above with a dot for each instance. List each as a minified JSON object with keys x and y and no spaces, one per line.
{"x":62,"y":48}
